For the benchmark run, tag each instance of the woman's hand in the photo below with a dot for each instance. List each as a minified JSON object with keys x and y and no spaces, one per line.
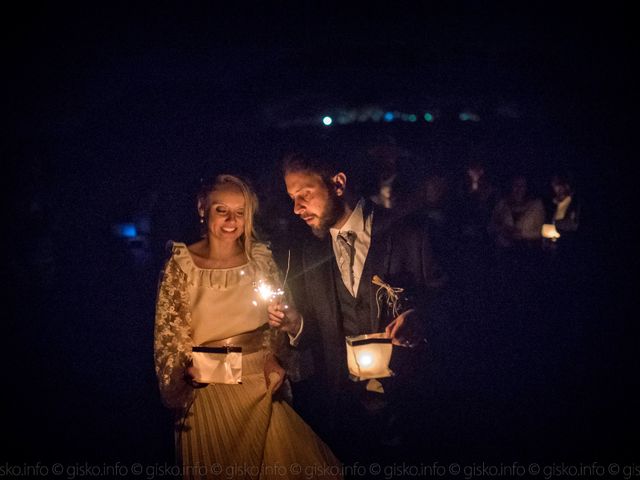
{"x":273,"y":372}
{"x":189,"y":376}
{"x":284,"y":317}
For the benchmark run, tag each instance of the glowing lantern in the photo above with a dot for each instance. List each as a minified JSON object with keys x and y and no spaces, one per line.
{"x":368,"y":356}
{"x":549,"y":231}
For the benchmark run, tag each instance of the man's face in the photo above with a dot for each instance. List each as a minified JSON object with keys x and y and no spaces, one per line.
{"x":560,"y":190}
{"x":314,"y":201}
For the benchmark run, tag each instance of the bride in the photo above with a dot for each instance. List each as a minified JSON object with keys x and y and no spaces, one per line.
{"x":207,"y":298}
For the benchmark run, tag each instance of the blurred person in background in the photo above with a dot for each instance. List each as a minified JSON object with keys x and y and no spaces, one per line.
{"x":517,"y":218}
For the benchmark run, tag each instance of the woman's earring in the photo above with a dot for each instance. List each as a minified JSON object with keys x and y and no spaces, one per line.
{"x":201,"y":219}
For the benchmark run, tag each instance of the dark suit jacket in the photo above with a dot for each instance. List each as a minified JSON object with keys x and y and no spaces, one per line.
{"x":400,"y":253}
{"x":571,"y":220}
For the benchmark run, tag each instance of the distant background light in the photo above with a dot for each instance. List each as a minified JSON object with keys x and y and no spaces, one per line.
{"x":125,"y":230}
{"x":388,"y":117}
{"x":344,"y":118}
{"x":412,"y":118}
{"x":468,"y":116}
{"x":327,"y":120}
{"x":428,"y":117}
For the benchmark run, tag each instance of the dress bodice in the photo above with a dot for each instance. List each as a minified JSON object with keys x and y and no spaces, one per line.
{"x":223,"y":301}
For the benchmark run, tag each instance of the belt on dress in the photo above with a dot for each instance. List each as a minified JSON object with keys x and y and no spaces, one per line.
{"x":251,"y":342}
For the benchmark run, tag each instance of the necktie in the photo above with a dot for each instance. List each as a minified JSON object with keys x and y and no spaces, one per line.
{"x":346,"y":242}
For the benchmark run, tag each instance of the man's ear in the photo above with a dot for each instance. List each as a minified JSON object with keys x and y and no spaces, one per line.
{"x":340,"y":183}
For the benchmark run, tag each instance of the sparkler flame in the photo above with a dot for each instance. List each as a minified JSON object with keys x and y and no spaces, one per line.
{"x":266,"y":291}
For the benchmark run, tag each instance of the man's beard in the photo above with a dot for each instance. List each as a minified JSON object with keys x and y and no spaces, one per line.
{"x":332,"y":212}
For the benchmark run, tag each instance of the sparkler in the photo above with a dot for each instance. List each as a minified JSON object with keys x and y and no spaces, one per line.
{"x":266,"y":291}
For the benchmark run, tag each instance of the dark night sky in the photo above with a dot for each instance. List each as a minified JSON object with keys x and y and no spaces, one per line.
{"x":131,"y":91}
{"x":112,"y":100}
{"x":172,"y":63}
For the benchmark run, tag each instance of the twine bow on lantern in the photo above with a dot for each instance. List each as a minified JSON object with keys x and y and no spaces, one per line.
{"x":388,"y":294}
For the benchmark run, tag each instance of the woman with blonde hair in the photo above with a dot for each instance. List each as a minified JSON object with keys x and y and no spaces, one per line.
{"x":216,"y":357}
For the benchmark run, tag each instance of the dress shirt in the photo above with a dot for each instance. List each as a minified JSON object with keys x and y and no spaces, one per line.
{"x":361,"y":226}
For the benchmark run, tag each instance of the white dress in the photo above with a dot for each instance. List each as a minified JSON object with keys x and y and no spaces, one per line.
{"x":228,"y":431}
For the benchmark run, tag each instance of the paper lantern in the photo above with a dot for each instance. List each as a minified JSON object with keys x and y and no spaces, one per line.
{"x":549,"y":231}
{"x":368,"y":356}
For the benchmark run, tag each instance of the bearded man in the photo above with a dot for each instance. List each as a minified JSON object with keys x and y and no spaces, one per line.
{"x":353,"y":242}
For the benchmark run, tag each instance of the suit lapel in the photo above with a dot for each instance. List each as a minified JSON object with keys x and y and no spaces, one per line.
{"x":377,"y":262}
{"x":318,"y":267}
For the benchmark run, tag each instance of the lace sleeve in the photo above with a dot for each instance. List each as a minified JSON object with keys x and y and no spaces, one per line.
{"x":172,"y":337}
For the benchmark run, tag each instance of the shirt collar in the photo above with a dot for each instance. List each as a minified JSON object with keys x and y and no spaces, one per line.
{"x":354,"y":223}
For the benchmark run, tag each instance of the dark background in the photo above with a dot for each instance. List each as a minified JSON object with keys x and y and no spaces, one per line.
{"x":118,"y":109}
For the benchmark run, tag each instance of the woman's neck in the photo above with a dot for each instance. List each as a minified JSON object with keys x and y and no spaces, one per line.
{"x":214,"y":253}
{"x":220,"y":250}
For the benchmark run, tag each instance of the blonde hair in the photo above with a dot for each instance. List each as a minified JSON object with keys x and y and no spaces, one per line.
{"x":250,"y":205}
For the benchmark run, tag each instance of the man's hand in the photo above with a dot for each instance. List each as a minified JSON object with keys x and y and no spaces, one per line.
{"x":284,"y":318}
{"x":405,"y":330}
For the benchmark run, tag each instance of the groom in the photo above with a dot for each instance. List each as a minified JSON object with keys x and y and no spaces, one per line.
{"x":355,"y":240}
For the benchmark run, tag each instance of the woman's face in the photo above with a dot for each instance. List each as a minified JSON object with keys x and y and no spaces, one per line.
{"x":226,"y":213}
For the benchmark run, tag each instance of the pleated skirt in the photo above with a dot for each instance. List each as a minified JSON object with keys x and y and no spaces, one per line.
{"x":240,"y":431}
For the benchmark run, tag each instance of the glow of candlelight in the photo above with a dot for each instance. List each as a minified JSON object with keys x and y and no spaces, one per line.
{"x":365,"y":359}
{"x":368,"y":356}
{"x":549,"y":231}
